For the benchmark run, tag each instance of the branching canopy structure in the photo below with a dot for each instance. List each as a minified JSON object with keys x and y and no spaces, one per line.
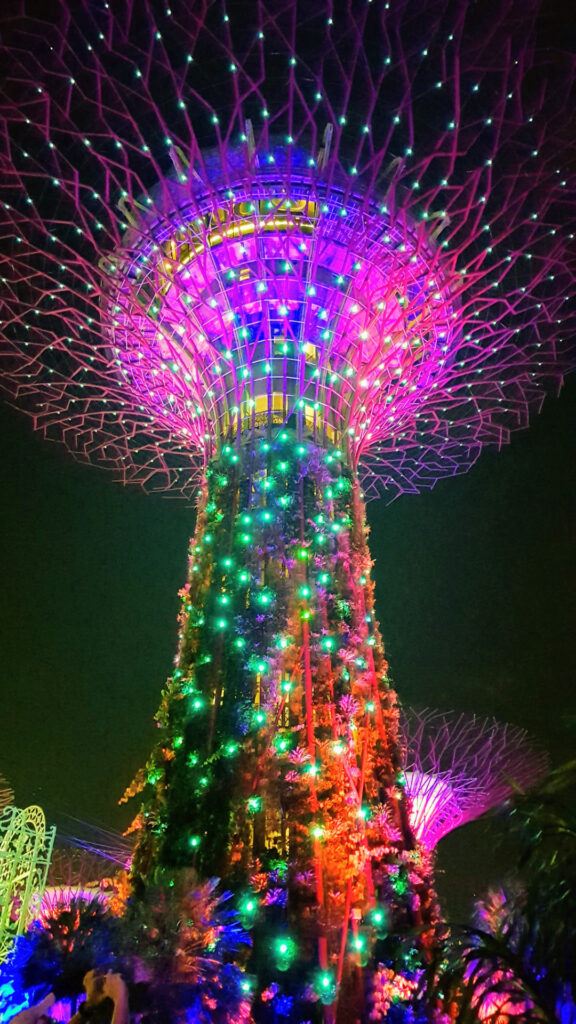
{"x":296,"y":253}
{"x":214,"y":215}
{"x":459,"y":766}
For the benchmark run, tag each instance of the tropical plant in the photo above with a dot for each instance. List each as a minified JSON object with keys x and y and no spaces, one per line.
{"x":518,"y":960}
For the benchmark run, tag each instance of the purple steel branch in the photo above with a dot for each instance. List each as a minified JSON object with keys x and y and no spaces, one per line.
{"x":184,"y":193}
{"x":460,"y":766}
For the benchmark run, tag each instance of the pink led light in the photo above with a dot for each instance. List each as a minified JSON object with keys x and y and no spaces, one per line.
{"x":173,"y":218}
{"x":459,"y":766}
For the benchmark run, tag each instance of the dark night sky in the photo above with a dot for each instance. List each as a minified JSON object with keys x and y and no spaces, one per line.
{"x":475,"y":593}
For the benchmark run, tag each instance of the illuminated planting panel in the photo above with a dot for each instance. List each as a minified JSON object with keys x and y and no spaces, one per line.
{"x":250,"y":308}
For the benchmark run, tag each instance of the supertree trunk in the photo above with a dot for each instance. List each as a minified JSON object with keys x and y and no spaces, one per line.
{"x":279,"y":768}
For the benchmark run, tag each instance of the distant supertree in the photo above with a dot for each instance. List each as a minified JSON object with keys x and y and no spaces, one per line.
{"x":460,"y":766}
{"x":269,"y":254}
{"x":90,"y":853}
{"x":6,"y":793}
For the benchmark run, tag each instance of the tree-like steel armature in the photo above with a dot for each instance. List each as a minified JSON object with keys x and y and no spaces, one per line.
{"x":458,"y":766}
{"x":267,"y":254}
{"x":386,"y":194}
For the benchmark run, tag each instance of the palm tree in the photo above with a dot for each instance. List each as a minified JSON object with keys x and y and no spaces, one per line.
{"x":518,"y":960}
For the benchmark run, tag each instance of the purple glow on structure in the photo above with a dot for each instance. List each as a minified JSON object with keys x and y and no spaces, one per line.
{"x":268,"y":307}
{"x":459,"y":766}
{"x":382,"y":253}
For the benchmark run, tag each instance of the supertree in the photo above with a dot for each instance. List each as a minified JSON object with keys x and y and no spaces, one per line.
{"x":277,"y":258}
{"x":457,"y":767}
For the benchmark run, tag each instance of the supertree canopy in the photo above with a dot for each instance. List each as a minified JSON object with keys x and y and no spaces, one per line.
{"x":222,"y":217}
{"x":267,"y":255}
{"x":457,"y":767}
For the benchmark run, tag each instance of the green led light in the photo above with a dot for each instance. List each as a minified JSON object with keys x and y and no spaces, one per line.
{"x":249,"y":905}
{"x":325,"y":986}
{"x":285,"y":951}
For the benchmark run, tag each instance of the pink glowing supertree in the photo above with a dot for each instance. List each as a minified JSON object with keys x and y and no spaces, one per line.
{"x":211,"y":219}
{"x":276,"y":252}
{"x":460,"y":766}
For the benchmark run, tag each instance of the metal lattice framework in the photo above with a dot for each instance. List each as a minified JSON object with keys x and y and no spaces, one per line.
{"x":217,"y":216}
{"x":25,"y":850}
{"x":283,"y":243}
{"x":460,"y":766}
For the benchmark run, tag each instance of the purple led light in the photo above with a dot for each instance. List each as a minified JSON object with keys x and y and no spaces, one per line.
{"x":460,"y":766}
{"x":175,"y":219}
